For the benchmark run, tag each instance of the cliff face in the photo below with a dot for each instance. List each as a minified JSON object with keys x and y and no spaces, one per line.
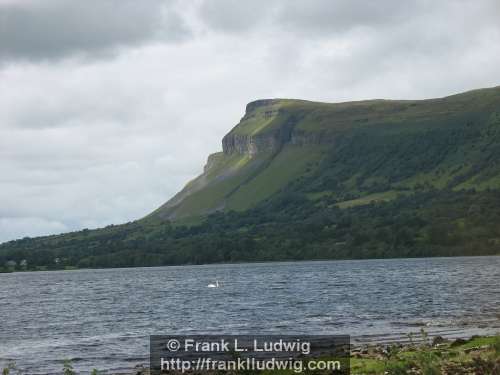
{"x":254,"y":144}
{"x":279,"y":141}
{"x":266,"y":128}
{"x":247,"y":138}
{"x":276,"y":127}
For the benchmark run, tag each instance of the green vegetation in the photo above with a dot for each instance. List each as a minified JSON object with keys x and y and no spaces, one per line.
{"x":370,"y":198}
{"x":68,"y":368}
{"x":287,"y":227}
{"x":350,"y":150}
{"x":10,"y":369}
{"x":478,"y":355}
{"x":287,"y":166}
{"x":302,"y":180}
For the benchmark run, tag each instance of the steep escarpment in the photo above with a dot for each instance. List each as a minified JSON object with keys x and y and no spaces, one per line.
{"x":237,"y":177}
{"x":279,"y":141}
{"x":269,"y":125}
{"x":266,"y":127}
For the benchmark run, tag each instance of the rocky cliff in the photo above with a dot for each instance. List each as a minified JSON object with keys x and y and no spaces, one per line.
{"x":268,"y":125}
{"x":278,"y":141}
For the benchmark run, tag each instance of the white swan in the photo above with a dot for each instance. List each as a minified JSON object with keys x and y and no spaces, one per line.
{"x":211,"y":285}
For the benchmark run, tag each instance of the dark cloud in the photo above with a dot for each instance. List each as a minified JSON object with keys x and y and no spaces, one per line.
{"x":53,"y":29}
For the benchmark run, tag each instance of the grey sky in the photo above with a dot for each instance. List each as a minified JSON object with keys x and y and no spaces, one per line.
{"x":50,"y":29}
{"x":108,"y":107}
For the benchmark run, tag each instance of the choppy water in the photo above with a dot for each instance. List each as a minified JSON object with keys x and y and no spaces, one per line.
{"x":103,"y":318}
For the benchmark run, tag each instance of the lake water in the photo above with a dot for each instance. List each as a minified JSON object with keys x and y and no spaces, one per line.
{"x":103,"y":318}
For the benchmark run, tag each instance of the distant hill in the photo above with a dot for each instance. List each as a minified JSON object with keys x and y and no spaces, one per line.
{"x":306,"y":180}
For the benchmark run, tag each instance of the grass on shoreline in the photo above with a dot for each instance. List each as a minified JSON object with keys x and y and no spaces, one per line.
{"x":476,"y":356}
{"x":479,"y":355}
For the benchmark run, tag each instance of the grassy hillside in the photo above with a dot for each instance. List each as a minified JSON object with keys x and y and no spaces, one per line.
{"x":350,"y":150}
{"x":305,"y":180}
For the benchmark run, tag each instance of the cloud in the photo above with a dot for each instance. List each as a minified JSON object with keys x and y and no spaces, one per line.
{"x":227,"y":15}
{"x":28,"y":226}
{"x":324,"y":17}
{"x":94,"y":141}
{"x":314,"y":17}
{"x":54,"y":29}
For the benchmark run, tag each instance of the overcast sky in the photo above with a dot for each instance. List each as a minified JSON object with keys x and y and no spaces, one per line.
{"x":108,"y":107}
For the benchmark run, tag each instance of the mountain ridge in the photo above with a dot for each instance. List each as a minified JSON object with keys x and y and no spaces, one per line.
{"x":306,"y":180}
{"x":269,"y":125}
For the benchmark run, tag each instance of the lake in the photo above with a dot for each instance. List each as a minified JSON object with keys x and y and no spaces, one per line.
{"x":103,"y":318}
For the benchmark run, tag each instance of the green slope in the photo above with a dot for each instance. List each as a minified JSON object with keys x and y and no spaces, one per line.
{"x":287,"y":166}
{"x":306,"y":180}
{"x":358,"y":147}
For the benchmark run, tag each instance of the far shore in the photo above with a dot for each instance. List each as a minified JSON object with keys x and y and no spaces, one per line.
{"x":72,"y":268}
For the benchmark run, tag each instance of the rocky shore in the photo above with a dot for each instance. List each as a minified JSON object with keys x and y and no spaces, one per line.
{"x":478,"y":355}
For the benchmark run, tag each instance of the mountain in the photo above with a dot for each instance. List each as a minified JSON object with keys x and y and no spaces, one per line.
{"x":374,"y":146}
{"x":306,"y":180}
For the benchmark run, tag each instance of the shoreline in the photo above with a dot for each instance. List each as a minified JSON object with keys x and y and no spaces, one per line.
{"x":430,"y":355}
{"x":379,"y":358}
{"x":471,"y":355}
{"x":249,"y":262}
